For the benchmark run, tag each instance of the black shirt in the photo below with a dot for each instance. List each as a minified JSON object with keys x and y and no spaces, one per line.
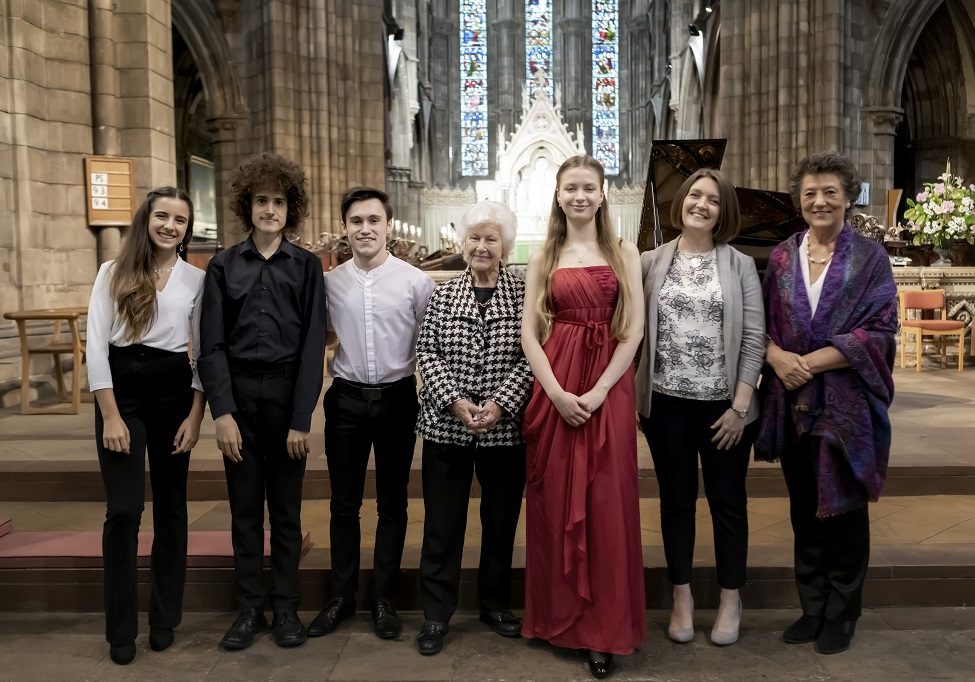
{"x":263,"y":311}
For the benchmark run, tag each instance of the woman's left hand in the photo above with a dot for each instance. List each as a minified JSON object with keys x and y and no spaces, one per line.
{"x":729,"y":429}
{"x":186,"y":436}
{"x":488,"y":417}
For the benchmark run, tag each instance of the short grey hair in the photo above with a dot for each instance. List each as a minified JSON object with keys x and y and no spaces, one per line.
{"x":490,"y":213}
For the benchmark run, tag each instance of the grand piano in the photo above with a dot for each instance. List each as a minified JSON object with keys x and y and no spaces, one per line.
{"x":767,"y":217}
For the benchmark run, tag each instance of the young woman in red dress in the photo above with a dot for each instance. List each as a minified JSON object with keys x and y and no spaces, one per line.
{"x":582,"y":324}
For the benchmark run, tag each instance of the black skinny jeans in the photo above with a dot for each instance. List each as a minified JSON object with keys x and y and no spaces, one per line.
{"x":678,"y":431}
{"x":153,"y":392}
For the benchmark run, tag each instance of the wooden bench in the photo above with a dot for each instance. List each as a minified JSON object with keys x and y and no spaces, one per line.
{"x":56,"y":347}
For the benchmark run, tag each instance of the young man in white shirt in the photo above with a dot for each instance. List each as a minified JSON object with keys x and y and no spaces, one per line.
{"x":375,"y":304}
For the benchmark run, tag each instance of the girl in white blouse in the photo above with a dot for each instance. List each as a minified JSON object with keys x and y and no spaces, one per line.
{"x":702,"y":354}
{"x":143,"y":323}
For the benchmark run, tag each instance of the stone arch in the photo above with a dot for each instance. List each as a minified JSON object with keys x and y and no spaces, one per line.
{"x":200,"y":27}
{"x":893,"y":45}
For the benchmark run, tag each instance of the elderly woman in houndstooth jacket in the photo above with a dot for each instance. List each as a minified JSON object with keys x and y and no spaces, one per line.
{"x":475,"y":383}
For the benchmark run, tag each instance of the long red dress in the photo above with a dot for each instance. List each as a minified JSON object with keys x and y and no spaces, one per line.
{"x":584,"y":555}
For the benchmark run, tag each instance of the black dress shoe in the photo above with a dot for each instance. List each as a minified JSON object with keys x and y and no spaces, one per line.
{"x":836,"y":636}
{"x":601,"y":667}
{"x":504,"y":622}
{"x":241,"y":633}
{"x":160,"y":639}
{"x":385,"y":621}
{"x":806,"y":629}
{"x":123,"y":654}
{"x":334,"y":613}
{"x":430,"y":639}
{"x":287,"y":629}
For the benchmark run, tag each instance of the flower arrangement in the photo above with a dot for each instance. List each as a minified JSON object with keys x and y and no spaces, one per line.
{"x":943,"y":211}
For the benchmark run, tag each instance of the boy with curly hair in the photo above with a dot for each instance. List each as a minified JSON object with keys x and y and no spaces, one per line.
{"x":261,"y":363}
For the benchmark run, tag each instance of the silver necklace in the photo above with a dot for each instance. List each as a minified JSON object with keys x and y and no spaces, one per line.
{"x":163,"y":271}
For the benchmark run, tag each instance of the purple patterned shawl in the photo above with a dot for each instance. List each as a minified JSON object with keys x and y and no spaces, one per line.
{"x":845,"y":409}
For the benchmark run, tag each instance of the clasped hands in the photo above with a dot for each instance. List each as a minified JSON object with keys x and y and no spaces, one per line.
{"x":477,"y":419}
{"x":791,"y":368}
{"x":577,"y":409}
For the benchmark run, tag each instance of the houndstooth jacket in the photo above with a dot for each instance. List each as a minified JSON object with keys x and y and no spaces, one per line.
{"x":461,"y":355}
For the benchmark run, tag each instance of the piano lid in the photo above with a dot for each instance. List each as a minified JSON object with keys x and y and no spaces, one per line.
{"x":767,"y":217}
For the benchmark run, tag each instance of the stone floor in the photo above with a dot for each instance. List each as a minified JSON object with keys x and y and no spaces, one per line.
{"x":933,"y":427}
{"x":892,"y":645}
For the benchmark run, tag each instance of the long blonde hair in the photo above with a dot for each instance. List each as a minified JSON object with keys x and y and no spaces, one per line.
{"x":608,"y":244}
{"x":133,"y":280}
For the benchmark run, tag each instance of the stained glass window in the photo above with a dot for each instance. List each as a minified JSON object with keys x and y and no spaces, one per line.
{"x":473,"y":88}
{"x":538,"y":47}
{"x":605,"y":84}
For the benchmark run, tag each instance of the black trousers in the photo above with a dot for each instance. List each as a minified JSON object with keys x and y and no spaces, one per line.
{"x":831,"y":554}
{"x":153,"y":393}
{"x":678,"y":431}
{"x":264,"y":395}
{"x":359,"y":418}
{"x":447,"y":475}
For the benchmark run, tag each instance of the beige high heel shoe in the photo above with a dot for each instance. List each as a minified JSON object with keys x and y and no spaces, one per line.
{"x":726,"y":637}
{"x":681,"y":635}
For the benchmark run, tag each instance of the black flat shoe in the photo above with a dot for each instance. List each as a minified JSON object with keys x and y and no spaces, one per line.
{"x":836,"y":636}
{"x":385,"y":621}
{"x":123,"y":654}
{"x":503,"y":623}
{"x":241,"y":634}
{"x":430,"y":639}
{"x":161,"y":639}
{"x":287,"y":629}
{"x":334,"y":613}
{"x":804,"y":630}
{"x":600,"y":669}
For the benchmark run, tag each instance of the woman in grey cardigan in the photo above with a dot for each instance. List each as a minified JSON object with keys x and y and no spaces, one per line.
{"x":475,"y":383}
{"x":702,"y":354}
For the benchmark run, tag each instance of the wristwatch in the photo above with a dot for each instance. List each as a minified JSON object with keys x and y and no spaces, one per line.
{"x":740,"y":413}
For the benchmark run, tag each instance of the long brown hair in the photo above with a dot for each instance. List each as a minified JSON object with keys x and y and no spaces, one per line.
{"x":609,"y":246}
{"x":133,"y":279}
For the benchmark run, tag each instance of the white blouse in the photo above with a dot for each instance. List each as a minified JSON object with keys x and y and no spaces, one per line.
{"x":814,"y":290}
{"x":176,"y":327}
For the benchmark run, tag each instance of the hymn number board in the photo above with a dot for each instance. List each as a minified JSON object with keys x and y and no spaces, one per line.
{"x":109,"y":195}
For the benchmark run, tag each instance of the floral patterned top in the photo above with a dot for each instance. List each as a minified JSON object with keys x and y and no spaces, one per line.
{"x":689,"y":361}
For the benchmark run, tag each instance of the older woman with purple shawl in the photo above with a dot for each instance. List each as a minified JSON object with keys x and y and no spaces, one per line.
{"x":831,"y":309}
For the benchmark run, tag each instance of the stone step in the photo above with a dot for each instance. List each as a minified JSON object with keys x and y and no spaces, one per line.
{"x":900,"y":576}
{"x":80,"y":481}
{"x":923,"y":554}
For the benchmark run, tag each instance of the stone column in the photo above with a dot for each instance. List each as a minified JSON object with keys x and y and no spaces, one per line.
{"x":878,"y":168}
{"x":144,"y":59}
{"x":506,"y":68}
{"x":574,"y":64}
{"x":441,"y":123}
{"x":636,"y":82}
{"x":223,"y":131}
{"x":105,"y":134}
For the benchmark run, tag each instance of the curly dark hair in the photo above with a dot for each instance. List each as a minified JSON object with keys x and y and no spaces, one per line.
{"x":269,"y":170}
{"x":827,"y":162}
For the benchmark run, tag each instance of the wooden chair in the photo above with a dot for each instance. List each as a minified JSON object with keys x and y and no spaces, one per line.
{"x":937,"y":328}
{"x":56,"y":347}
